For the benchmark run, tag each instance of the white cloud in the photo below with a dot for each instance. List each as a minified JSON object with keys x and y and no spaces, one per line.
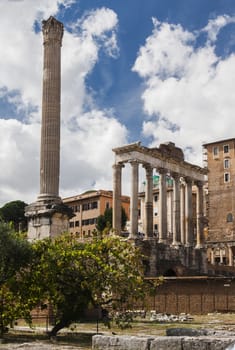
{"x":215,"y":25}
{"x":88,"y":134}
{"x":188,"y":93}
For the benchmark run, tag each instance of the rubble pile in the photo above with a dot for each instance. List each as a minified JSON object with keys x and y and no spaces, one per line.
{"x":159,"y":317}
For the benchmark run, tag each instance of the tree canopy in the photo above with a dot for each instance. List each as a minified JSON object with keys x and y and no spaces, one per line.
{"x":15,"y":253}
{"x":14,"y":212}
{"x":71,"y":275}
{"x":105,"y":221}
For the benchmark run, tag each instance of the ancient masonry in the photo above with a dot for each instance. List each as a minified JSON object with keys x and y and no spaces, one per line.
{"x":183,"y":252}
{"x":48,"y":216}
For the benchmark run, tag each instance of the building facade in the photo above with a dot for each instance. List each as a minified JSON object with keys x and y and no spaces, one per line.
{"x":87,"y":207}
{"x":220,"y":160}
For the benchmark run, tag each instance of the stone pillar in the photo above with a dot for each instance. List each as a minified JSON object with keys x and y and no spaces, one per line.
{"x":148,"y":229}
{"x":50,"y":128}
{"x":176,"y":209}
{"x":188,"y":212}
{"x":48,"y":216}
{"x":117,"y":192}
{"x":199,"y":214}
{"x":230,"y":256}
{"x":212,"y":256}
{"x":182,"y":213}
{"x":134,"y":212}
{"x":221,"y":255}
{"x":162,"y":206}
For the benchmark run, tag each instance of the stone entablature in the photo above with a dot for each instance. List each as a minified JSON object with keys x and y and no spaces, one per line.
{"x":159,"y":158}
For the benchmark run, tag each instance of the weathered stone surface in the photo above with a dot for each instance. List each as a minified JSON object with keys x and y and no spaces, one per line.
{"x":188,"y":332}
{"x":166,"y":343}
{"x":100,"y":342}
{"x":206,"y":343}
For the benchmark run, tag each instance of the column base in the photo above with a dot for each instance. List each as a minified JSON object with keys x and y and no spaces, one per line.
{"x":199,"y":246}
{"x":47,"y":218}
{"x":176,"y":244}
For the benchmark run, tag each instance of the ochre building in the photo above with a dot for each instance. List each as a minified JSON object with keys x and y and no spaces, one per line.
{"x":87,"y":207}
{"x":220,"y":159}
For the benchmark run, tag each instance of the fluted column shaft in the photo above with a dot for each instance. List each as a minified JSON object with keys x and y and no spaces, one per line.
{"x":148,"y":229}
{"x":50,"y":128}
{"x":117,"y":192}
{"x":188,"y":212}
{"x":176,"y":209}
{"x":199,"y":213}
{"x":182,"y":213}
{"x":134,"y":199}
{"x":162,"y":206}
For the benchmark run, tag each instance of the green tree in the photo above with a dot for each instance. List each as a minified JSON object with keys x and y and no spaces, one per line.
{"x":14,"y":212}
{"x":105,"y":221}
{"x":15,"y":253}
{"x":71,"y":276}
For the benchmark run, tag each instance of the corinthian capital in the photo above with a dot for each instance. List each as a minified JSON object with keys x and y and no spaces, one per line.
{"x":52,"y":30}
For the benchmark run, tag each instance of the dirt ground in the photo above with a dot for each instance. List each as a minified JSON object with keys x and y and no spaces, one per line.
{"x":80,"y":335}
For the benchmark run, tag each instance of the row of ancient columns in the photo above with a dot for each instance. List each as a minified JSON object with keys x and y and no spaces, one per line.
{"x":221,"y":255}
{"x":182,"y":205}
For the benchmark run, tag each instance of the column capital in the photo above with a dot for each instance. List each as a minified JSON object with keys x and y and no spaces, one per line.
{"x":118,"y":165}
{"x":149,"y":169}
{"x":147,"y":166}
{"x":162,"y":171}
{"x":175,"y":175}
{"x":199,"y":184}
{"x":52,"y":30}
{"x":134,"y":162}
{"x":188,"y":180}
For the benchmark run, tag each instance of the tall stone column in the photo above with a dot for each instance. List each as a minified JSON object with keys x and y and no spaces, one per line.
{"x":148,"y":229}
{"x":182,"y":213}
{"x":162,"y":206}
{"x":188,"y":212}
{"x":48,"y":216}
{"x":50,"y":128}
{"x":199,"y":213}
{"x":134,"y":199}
{"x":176,"y":209}
{"x":117,"y":192}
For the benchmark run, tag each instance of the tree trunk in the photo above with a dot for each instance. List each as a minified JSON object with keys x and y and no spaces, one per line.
{"x":60,"y":325}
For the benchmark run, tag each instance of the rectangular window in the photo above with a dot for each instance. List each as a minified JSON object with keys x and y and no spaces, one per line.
{"x":94,"y":205}
{"x":76,"y":223}
{"x":85,"y":206}
{"x":107,"y":205}
{"x":156,"y":198}
{"x":71,"y":224}
{"x":226,"y":148}
{"x":215,"y":152}
{"x":226,"y":177}
{"x":226,"y":164}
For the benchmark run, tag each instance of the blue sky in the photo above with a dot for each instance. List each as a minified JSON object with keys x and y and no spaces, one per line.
{"x":154,"y":71}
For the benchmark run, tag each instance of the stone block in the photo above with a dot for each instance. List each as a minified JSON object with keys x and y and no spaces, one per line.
{"x":100,"y":342}
{"x":166,"y":343}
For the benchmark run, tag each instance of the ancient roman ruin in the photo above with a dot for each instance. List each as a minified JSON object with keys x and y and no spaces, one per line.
{"x":48,"y":216}
{"x":185,"y":250}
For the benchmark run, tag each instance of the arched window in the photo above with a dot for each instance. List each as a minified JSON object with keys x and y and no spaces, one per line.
{"x":230,"y":217}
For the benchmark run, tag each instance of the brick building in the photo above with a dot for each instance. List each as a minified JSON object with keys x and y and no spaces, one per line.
{"x":87,"y":207}
{"x":220,"y":160}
